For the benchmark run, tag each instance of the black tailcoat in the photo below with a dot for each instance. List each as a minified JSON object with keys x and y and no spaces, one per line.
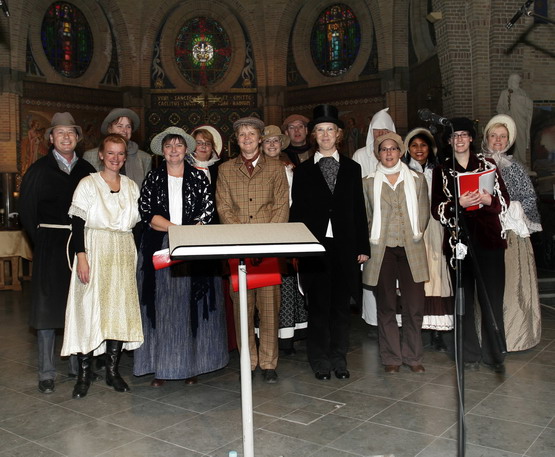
{"x":315,"y":205}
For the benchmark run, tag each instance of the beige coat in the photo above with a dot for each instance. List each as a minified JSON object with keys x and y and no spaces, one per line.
{"x":416,"y":250}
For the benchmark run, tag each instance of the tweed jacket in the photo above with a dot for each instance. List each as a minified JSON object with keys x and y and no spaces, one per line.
{"x":416,"y":250}
{"x":257,"y":199}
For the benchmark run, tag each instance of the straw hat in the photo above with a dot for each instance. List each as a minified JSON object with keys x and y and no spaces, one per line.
{"x":156,"y":143}
{"x":273,"y":130}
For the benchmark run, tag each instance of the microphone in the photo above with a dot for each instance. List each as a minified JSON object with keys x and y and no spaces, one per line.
{"x":427,"y":116}
{"x":4,"y":6}
{"x":518,"y":14}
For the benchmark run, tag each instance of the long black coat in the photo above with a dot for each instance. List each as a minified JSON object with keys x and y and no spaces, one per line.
{"x":314,"y":205}
{"x":46,"y":194}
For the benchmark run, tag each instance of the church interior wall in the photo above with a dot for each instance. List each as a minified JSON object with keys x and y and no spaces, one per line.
{"x":460,"y":70}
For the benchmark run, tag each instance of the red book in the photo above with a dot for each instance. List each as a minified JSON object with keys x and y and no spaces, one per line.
{"x":161,"y":259}
{"x":267,"y":273}
{"x":469,"y":182}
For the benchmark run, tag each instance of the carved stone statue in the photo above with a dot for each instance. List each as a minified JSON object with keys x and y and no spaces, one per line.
{"x":514,"y":102}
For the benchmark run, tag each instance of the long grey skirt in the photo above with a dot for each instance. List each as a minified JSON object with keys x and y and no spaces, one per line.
{"x":171,"y":350}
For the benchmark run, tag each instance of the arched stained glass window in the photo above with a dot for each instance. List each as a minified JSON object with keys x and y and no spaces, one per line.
{"x":335,"y":40}
{"x":202,"y":51}
{"x":67,"y":39}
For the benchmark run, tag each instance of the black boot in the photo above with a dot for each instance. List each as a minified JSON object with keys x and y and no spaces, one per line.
{"x":437,"y":341}
{"x":113,"y":354}
{"x":84,"y":376}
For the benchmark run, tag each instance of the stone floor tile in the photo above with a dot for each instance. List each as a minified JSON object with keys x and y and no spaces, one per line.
{"x":30,"y":450}
{"x":417,"y":418}
{"x":203,"y":433}
{"x":88,"y":440}
{"x":321,"y":431}
{"x":149,"y":417}
{"x":449,"y":448}
{"x":544,"y":446}
{"x":357,"y":405}
{"x":371,"y":439}
{"x":496,"y":433}
{"x":515,"y":409}
{"x":150,"y":447}
{"x":267,"y":444}
{"x":38,"y":424}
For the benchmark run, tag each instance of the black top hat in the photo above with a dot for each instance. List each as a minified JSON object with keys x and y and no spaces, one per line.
{"x":460,"y":124}
{"x":325,"y":113}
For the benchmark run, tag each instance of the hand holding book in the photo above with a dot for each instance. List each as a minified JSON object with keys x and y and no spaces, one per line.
{"x":475,"y":189}
{"x":476,"y":199}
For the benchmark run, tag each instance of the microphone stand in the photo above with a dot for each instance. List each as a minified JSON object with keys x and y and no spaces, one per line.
{"x":459,"y":316}
{"x":527,"y":11}
{"x":459,"y":313}
{"x":461,"y":227}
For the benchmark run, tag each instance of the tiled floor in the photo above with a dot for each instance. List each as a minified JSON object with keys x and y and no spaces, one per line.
{"x":371,"y":414}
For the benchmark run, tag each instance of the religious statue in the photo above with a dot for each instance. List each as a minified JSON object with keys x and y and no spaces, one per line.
{"x":351,"y":137}
{"x":33,"y":146}
{"x":514,"y":102}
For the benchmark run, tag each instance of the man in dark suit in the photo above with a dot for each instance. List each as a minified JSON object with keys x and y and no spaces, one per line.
{"x":327,"y":197}
{"x":46,"y":193}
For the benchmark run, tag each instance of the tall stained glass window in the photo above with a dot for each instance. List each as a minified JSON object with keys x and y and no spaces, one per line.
{"x":335,"y":40}
{"x":202,"y":51}
{"x":67,"y":39}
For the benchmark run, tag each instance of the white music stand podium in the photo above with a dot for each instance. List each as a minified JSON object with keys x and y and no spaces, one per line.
{"x":190,"y":242}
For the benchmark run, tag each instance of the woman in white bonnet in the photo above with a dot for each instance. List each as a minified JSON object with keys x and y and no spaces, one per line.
{"x":521,"y":304}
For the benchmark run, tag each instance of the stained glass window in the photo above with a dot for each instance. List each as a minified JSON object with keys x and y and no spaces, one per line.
{"x":202,"y":51}
{"x":67,"y":39}
{"x":335,"y":40}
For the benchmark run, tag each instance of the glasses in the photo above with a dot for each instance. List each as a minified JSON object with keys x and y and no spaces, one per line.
{"x":272,"y":141}
{"x":296,"y":127}
{"x":393,"y":149}
{"x":463,"y":135}
{"x":204,"y":143}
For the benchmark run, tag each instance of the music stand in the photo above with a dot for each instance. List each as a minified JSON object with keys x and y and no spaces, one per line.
{"x":190,"y":242}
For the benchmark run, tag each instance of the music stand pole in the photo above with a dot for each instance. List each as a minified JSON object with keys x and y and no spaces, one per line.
{"x":240,"y":241}
{"x":245,"y":360}
{"x":459,"y":356}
